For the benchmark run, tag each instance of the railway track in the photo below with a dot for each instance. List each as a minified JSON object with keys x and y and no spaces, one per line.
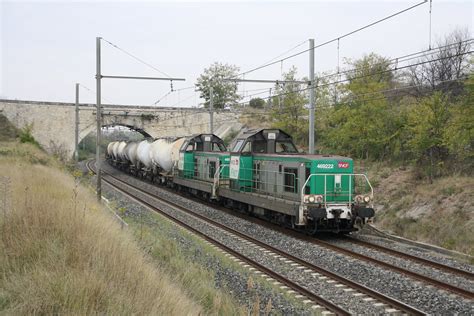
{"x":439,"y":284}
{"x":427,"y":279}
{"x":436,"y":265}
{"x":389,"y":304}
{"x":372,"y":230}
{"x":421,"y":277}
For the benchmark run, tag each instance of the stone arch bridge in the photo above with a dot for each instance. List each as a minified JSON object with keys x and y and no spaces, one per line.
{"x":53,"y":123}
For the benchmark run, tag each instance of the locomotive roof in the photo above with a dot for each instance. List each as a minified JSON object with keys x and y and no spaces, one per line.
{"x":301,"y":155}
{"x":254,"y":132}
{"x":201,"y":138}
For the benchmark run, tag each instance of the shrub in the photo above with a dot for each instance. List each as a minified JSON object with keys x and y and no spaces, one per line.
{"x":26,"y":136}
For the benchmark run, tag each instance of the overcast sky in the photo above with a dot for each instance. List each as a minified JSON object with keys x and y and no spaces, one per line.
{"x":46,"y":47}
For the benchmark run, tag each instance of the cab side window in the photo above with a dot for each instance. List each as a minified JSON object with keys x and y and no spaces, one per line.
{"x":259,"y":147}
{"x":247,"y":147}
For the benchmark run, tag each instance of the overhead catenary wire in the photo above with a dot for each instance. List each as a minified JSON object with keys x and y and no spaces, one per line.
{"x":394,"y":61}
{"x":332,"y":40}
{"x":366,"y":75}
{"x":135,"y":57}
{"x":93,"y":92}
{"x":161,"y":98}
{"x":356,"y":97}
{"x":405,"y":58}
{"x":170,"y":92}
{"x":287,"y":51}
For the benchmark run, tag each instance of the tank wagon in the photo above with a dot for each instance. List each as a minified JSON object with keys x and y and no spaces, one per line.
{"x":264,"y":175}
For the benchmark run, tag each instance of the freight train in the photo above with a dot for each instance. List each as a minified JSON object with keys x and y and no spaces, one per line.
{"x":263,"y":174}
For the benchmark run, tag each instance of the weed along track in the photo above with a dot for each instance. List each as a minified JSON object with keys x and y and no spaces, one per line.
{"x":288,"y":273}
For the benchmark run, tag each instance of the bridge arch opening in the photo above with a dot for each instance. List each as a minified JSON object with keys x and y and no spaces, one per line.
{"x":110,"y":133}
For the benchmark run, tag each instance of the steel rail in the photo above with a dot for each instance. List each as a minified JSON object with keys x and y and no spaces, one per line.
{"x":352,"y":284}
{"x":436,"y":265}
{"x":296,"y":287}
{"x":442,"y":285}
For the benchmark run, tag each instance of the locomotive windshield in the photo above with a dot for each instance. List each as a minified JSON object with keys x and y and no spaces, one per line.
{"x":238,"y":145}
{"x":285,"y":147}
{"x":218,"y":147}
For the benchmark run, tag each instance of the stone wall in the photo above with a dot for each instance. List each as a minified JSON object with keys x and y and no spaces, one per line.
{"x":53,"y":123}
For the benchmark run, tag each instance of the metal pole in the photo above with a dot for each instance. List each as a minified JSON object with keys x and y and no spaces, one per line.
{"x":99,"y":125}
{"x":211,"y":110}
{"x":270,"y":98}
{"x":311,"y":97}
{"x":76,"y":131}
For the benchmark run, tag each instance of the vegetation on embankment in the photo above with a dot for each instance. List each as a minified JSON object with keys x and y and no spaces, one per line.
{"x":60,"y":253}
{"x":181,"y":254}
{"x":440,"y":212}
{"x":418,"y":115}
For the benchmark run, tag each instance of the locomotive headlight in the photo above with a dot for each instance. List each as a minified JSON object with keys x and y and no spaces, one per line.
{"x":359,"y":198}
{"x":367,"y":198}
{"x":311,"y":199}
{"x":319,"y":198}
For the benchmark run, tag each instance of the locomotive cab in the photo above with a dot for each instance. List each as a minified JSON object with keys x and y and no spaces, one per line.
{"x":251,"y":161}
{"x":201,"y":156}
{"x":324,"y":187}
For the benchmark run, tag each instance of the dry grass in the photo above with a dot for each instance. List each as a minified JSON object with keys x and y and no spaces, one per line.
{"x":440,"y":213}
{"x":181,"y":262}
{"x":253,"y":119}
{"x":61,"y":254}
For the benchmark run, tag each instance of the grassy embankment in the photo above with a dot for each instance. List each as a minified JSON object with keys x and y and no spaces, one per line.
{"x":440,"y":213}
{"x":61,"y":253}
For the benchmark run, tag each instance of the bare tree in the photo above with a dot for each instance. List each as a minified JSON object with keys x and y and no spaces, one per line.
{"x":440,"y":70}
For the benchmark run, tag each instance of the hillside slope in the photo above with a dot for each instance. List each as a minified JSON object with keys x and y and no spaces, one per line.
{"x":440,"y":213}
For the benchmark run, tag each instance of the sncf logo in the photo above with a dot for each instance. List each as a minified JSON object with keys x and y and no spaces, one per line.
{"x":343,"y":165}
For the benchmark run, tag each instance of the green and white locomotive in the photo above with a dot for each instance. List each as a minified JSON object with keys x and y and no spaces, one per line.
{"x":265,"y":175}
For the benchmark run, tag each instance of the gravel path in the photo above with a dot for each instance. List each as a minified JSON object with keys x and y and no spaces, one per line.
{"x":414,"y":293}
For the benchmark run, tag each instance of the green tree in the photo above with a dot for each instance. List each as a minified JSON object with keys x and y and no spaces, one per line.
{"x":458,"y":135}
{"x":362,"y":124}
{"x":224,"y":92}
{"x":257,"y":103}
{"x":427,"y":120}
{"x":370,"y":73}
{"x":289,"y":112}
